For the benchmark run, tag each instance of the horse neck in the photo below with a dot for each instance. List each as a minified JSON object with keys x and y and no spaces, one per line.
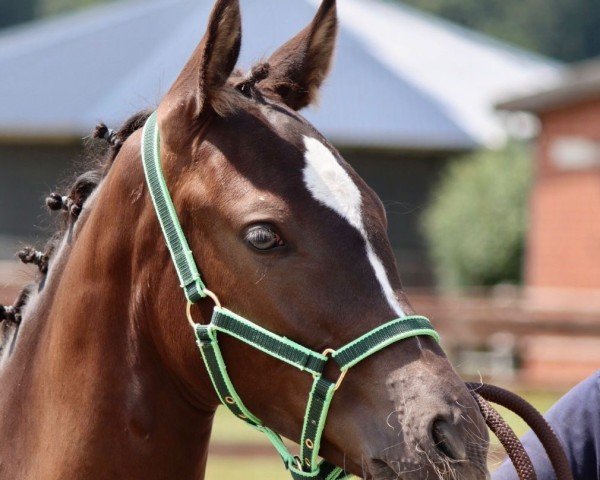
{"x":87,"y":392}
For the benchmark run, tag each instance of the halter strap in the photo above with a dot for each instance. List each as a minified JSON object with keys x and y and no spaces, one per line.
{"x":272,"y":344}
{"x":189,"y":276}
{"x":306,"y":465}
{"x":379,"y":338}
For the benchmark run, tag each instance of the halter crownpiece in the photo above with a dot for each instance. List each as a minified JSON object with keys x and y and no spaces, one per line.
{"x":306,"y":465}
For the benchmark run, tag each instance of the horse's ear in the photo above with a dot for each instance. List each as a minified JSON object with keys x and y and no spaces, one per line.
{"x":299,"y":67}
{"x":199,"y":87}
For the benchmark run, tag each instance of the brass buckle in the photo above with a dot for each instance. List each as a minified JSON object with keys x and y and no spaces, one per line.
{"x":188,"y":308}
{"x":329,"y":352}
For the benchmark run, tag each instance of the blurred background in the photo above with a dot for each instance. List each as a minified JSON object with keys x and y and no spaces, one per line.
{"x":476,"y":121}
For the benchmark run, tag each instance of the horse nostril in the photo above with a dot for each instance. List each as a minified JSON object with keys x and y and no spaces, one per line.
{"x":447,"y":439}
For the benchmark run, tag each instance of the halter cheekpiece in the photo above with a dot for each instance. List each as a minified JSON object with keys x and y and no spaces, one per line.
{"x":306,"y":465}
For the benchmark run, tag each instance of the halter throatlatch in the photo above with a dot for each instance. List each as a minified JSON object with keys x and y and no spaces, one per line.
{"x":306,"y":465}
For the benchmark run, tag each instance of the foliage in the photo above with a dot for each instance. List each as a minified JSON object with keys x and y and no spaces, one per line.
{"x":563,"y":29}
{"x":52,"y":7}
{"x":476,"y":222}
{"x":13,"y":12}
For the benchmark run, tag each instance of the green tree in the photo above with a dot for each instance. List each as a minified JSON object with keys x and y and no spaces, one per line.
{"x":565,"y":29}
{"x":476,"y":222}
{"x":13,"y":12}
{"x":52,"y":7}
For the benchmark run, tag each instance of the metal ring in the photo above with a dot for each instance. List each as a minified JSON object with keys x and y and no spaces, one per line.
{"x":229,"y":400}
{"x":327,"y":352}
{"x":213,"y":296}
{"x":309,"y":444}
{"x":188,"y":314}
{"x":188,"y":309}
{"x":340,"y":380}
{"x":331,"y":352}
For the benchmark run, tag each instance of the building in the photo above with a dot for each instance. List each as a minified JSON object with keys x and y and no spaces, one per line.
{"x":408,"y":91}
{"x":563,"y":245}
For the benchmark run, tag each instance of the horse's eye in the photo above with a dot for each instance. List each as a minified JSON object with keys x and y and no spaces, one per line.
{"x":262,"y":237}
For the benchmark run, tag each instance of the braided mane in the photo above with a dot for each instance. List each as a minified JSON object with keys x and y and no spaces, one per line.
{"x":100,"y":155}
{"x":69,"y":205}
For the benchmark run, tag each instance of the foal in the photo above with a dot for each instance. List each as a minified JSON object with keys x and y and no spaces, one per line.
{"x":105,"y":380}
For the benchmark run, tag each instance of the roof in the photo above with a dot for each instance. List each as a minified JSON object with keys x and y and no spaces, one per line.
{"x":402,"y":78}
{"x":575,"y":85}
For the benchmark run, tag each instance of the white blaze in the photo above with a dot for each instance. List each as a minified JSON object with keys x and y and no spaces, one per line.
{"x":329,"y":183}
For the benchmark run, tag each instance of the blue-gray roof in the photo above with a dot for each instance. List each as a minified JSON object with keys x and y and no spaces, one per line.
{"x":401,"y":78}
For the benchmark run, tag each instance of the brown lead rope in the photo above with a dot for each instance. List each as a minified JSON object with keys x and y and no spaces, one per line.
{"x":533,"y":418}
{"x":514,"y":448}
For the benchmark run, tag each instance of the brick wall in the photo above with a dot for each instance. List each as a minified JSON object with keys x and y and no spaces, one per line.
{"x":564,"y":237}
{"x":558,"y":361}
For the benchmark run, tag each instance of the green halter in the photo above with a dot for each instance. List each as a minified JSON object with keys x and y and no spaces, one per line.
{"x":306,"y":465}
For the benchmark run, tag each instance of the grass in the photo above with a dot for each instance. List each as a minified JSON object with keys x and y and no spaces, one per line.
{"x":228,"y":430}
{"x":259,"y":468}
{"x":540,"y":400}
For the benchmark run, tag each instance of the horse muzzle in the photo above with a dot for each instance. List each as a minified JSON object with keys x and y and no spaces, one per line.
{"x":435,"y":429}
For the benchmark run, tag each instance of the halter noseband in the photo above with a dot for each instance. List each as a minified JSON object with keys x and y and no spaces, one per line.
{"x":306,"y":465}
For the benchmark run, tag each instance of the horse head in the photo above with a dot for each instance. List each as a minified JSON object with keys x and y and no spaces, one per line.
{"x":288,"y":235}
